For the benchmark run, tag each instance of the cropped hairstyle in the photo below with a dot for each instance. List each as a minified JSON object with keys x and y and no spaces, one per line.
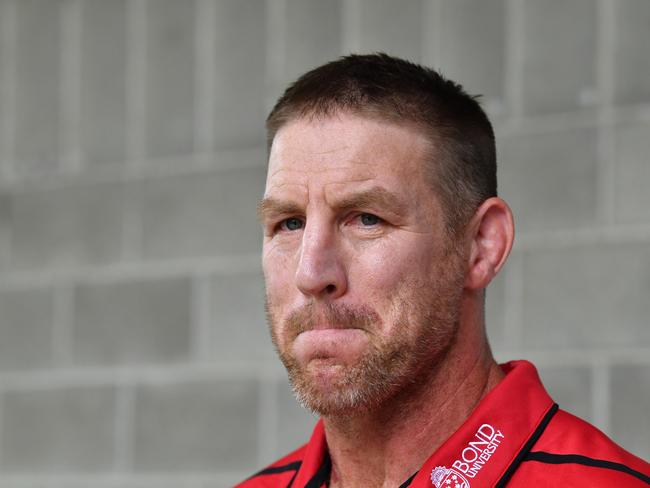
{"x":461,"y":163}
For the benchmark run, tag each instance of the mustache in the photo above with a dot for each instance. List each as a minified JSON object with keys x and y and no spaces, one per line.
{"x":338,"y":316}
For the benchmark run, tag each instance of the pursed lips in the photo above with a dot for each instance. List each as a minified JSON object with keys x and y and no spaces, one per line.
{"x":330,"y":327}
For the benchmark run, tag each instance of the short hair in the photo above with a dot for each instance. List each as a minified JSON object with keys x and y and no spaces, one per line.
{"x":462,"y":165}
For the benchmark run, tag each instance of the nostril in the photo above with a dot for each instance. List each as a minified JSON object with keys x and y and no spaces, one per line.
{"x":330,"y":289}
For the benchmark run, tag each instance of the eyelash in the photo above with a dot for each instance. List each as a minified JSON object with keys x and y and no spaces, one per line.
{"x":283,"y":223}
{"x":281,"y":226}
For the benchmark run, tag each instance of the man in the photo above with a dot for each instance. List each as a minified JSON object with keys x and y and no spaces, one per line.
{"x":382,"y":229}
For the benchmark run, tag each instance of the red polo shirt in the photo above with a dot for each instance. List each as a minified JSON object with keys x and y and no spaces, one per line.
{"x":516,"y":437}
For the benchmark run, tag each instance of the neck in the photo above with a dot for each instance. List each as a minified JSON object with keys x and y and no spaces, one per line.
{"x":384,"y":447}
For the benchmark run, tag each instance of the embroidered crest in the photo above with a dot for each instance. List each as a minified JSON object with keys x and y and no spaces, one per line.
{"x":443,"y":477}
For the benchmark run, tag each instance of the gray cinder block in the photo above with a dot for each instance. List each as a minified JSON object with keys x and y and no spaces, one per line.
{"x":571,"y":388}
{"x":495,"y":311}
{"x":630,"y":423}
{"x":67,"y":226}
{"x":170,"y":77}
{"x":550,"y":178}
{"x":37,"y":85}
{"x":559,"y":55}
{"x":240,"y":73}
{"x":26,"y":319}
{"x":208,"y":214}
{"x":295,"y":424}
{"x":313,"y":35}
{"x":633,"y":173}
{"x":132,"y":322}
{"x":587,"y":296}
{"x":391,"y":27}
{"x":205,"y":426}
{"x":5,"y":230}
{"x":631,"y":60}
{"x":238,"y":325}
{"x":472,"y":45}
{"x":58,"y":430}
{"x":103,"y":81}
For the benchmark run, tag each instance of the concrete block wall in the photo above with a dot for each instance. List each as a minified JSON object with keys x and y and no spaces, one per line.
{"x":133,"y":349}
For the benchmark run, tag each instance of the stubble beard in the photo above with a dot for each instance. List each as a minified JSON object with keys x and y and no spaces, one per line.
{"x":424,"y":321}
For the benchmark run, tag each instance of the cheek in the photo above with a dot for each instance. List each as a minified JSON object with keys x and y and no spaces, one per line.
{"x":390,"y":264}
{"x":278,"y":277}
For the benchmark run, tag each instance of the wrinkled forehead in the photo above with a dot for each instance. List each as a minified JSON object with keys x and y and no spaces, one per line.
{"x":346,"y":148}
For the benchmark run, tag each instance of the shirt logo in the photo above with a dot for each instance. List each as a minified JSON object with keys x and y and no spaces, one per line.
{"x":472,"y":459}
{"x":442,"y":477}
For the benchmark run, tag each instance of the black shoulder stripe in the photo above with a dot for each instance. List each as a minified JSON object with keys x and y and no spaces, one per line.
{"x":295,"y":466}
{"x":549,"y":458}
{"x":322,"y":475}
{"x":408,"y":481}
{"x":293,"y":478}
{"x":527,"y":447}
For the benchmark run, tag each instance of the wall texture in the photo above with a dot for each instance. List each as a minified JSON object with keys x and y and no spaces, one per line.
{"x":133,"y":349}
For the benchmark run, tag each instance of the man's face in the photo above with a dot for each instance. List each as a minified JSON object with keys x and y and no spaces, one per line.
{"x":363,"y":287}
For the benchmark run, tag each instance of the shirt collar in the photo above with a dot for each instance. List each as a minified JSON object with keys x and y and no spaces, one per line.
{"x":483,"y":448}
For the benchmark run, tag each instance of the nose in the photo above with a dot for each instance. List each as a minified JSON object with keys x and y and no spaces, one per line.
{"x":321,"y":270}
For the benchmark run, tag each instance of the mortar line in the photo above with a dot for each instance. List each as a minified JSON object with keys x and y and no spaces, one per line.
{"x":219,"y":161}
{"x":243,"y":369}
{"x":233,"y":264}
{"x":184,"y":479}
{"x":8,"y":73}
{"x":201,"y":330}
{"x":169,"y":374}
{"x":70,"y":88}
{"x":124,"y":423}
{"x":268,"y":429}
{"x":514,"y":62}
{"x":225,"y":265}
{"x":514,"y":312}
{"x":2,"y":423}
{"x":430,"y":37}
{"x":601,"y":397}
{"x":132,"y":245}
{"x":351,"y":28}
{"x":580,"y":356}
{"x":437,"y":35}
{"x":205,"y":76}
{"x":8,"y":113}
{"x":136,"y":72}
{"x":63,"y":323}
{"x":607,"y":173}
{"x":567,"y":238}
{"x":276,"y":49}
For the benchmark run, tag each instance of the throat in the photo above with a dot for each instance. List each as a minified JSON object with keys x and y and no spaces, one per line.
{"x":384,"y":447}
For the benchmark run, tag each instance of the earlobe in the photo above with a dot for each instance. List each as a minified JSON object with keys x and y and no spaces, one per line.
{"x":491,"y":235}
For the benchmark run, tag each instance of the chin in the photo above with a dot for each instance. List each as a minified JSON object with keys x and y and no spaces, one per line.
{"x":334,"y":389}
{"x":329,"y":401}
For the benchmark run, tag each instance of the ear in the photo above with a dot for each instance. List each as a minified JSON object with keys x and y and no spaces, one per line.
{"x":491,"y":233}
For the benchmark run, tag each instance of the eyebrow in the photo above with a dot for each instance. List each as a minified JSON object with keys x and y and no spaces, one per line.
{"x":272,"y":206}
{"x":376,"y":196}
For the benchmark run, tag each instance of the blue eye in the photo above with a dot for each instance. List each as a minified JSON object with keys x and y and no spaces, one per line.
{"x":369,"y":219}
{"x":292,"y":224}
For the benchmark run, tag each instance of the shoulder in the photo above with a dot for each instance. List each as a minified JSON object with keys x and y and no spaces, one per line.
{"x":278,"y":474}
{"x":575,"y":453}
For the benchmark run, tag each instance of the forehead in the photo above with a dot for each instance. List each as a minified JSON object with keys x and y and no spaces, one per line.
{"x":345,"y":150}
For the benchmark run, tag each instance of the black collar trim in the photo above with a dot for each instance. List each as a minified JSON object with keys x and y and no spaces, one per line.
{"x":295,"y":466}
{"x":527,"y":447}
{"x":549,"y":458}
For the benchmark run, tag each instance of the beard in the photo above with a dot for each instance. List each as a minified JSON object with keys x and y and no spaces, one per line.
{"x":423,"y":319}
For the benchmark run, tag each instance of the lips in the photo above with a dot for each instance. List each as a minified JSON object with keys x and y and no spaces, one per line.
{"x":329,"y":317}
{"x":329,"y":326}
{"x":341,"y":345}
